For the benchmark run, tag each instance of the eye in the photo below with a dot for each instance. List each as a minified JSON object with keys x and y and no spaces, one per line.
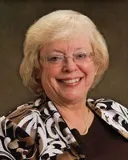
{"x":55,"y":59}
{"x":81,"y":56}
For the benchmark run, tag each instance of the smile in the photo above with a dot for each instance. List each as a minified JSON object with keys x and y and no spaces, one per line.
{"x":71,"y":81}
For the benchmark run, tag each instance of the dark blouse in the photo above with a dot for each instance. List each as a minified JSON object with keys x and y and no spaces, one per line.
{"x":102,"y":142}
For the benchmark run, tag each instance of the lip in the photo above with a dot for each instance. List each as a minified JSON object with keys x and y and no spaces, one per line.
{"x":70,"y":81}
{"x":70,"y":78}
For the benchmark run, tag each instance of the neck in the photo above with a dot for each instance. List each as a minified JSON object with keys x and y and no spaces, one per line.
{"x":72,"y":110}
{"x":76,"y":116}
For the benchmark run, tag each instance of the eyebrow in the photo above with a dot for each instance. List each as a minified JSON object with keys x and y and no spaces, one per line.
{"x":59,"y":51}
{"x":63,"y":52}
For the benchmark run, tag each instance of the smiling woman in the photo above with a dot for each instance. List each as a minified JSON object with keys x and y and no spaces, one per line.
{"x":65,"y":79}
{"x":64,"y":57}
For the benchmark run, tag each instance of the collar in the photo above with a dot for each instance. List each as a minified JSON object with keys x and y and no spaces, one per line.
{"x":113,"y":113}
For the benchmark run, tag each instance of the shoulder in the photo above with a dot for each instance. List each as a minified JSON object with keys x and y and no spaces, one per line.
{"x":107,"y":104}
{"x":19,"y":129}
{"x":25,"y":111}
{"x":112,"y":112}
{"x":26,"y":118}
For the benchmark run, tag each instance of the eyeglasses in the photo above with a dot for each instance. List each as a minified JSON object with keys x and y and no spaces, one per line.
{"x":58,"y":60}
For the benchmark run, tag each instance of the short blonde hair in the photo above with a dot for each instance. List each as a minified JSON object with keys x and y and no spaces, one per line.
{"x":60,"y":24}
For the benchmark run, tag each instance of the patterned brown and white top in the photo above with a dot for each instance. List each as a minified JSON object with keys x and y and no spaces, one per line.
{"x":37,"y":131}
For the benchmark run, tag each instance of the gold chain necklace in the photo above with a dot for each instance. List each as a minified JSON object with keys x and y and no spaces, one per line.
{"x":86,"y":124}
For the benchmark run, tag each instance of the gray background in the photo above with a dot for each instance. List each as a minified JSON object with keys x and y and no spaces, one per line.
{"x":111,"y":17}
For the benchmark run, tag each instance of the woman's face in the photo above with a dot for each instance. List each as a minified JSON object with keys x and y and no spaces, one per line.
{"x":67,"y":82}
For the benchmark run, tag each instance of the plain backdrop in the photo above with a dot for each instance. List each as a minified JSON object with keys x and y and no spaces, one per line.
{"x":111,"y":17}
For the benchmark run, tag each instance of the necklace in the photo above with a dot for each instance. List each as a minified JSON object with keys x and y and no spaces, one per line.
{"x":86,"y":123}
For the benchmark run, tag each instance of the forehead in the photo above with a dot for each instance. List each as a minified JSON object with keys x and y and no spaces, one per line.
{"x":69,"y":45}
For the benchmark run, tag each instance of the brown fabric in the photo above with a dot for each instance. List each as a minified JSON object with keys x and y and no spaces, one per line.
{"x":66,"y":156}
{"x":107,"y":144}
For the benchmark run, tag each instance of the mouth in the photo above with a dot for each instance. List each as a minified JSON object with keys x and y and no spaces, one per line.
{"x":71,"y":81}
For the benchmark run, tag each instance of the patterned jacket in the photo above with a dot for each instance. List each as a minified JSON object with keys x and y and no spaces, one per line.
{"x":37,"y":131}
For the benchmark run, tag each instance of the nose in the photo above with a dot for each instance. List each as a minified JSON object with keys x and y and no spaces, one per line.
{"x":69,"y":65}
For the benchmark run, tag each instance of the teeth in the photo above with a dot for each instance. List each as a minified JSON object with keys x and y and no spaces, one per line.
{"x":71,"y":81}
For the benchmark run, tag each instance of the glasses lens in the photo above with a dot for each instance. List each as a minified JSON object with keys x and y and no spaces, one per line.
{"x":82,"y":58}
{"x":58,"y":60}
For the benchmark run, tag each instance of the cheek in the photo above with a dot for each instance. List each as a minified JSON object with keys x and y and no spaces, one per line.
{"x":45,"y":77}
{"x":89,"y":70}
{"x":45,"y":81}
{"x":48,"y":76}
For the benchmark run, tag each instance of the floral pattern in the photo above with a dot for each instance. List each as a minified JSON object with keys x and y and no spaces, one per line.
{"x":37,"y":131}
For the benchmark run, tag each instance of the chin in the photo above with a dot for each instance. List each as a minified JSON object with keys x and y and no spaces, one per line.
{"x":72,"y":98}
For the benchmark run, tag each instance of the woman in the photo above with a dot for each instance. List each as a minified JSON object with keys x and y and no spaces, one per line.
{"x":64,"y":57}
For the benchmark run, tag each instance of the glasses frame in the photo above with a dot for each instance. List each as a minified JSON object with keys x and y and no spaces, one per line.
{"x":45,"y":59}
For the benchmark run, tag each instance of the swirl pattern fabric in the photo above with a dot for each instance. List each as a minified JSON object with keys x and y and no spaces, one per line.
{"x":37,"y":131}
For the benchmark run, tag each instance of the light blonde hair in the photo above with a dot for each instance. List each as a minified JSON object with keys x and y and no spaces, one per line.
{"x":60,"y":24}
